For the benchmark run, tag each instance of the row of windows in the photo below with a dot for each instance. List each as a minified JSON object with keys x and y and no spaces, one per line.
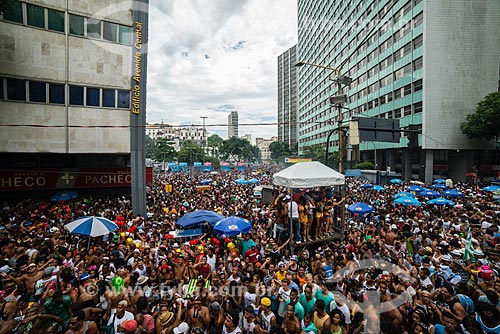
{"x":378,"y":101}
{"x":398,"y":54}
{"x":404,"y":71}
{"x":54,"y":20}
{"x":48,"y":92}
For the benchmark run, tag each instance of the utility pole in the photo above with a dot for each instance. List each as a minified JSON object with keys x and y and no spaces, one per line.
{"x":204,"y":138}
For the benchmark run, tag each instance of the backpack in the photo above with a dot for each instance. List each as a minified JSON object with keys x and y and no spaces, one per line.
{"x":467,"y":303}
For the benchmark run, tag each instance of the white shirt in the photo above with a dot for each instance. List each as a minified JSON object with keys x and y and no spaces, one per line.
{"x":294,"y":210}
{"x":118,"y":321}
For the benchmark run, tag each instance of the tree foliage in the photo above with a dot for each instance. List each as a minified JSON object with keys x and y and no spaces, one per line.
{"x":364,"y":165}
{"x":485,"y":122}
{"x":238,"y":149}
{"x":190,"y":153}
{"x":279,"y":150}
{"x":315,"y":152}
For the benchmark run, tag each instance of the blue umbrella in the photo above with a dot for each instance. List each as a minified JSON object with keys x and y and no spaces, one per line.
{"x":63,"y":196}
{"x":396,"y":181}
{"x":254,"y":181}
{"x":232,"y":226}
{"x":241,"y":181}
{"x":195,"y":217}
{"x":440,"y":181}
{"x":378,"y":188}
{"x":366,"y":186}
{"x":91,"y":226}
{"x":429,"y":193}
{"x":407,"y":201}
{"x":491,"y":188}
{"x":441,"y":201}
{"x":439,"y":186}
{"x":415,"y":188}
{"x":403,"y":194}
{"x":206,"y":181}
{"x":360,"y":208}
{"x":453,"y":193}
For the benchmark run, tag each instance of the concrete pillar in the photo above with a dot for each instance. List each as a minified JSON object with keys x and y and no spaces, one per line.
{"x":391,"y":159}
{"x":429,"y":166}
{"x":407,"y":155}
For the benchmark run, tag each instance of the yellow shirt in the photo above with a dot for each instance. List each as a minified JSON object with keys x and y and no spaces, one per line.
{"x":280,"y":276}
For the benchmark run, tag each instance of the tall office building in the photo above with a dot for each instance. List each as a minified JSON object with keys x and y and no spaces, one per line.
{"x":66,"y":72}
{"x":427,"y":63}
{"x":287,"y":99}
{"x":232,"y":124}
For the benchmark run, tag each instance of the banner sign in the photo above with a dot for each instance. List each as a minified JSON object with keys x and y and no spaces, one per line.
{"x":294,"y":160}
{"x":12,"y":180}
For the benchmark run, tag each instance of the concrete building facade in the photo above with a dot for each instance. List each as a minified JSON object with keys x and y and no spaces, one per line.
{"x":287,"y":99}
{"x":427,"y":63}
{"x":65,"y":84}
{"x":264,"y":151}
{"x":232,"y":124}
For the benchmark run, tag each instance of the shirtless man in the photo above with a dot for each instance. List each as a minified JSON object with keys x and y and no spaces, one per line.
{"x":179,"y":269}
{"x":390,"y":237}
{"x":198,"y":315}
{"x":78,"y":325}
{"x":291,"y":324}
{"x":35,"y":322}
{"x":29,"y":279}
{"x":113,"y":297}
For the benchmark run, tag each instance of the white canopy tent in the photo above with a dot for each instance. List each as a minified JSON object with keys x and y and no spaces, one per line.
{"x":308,"y":175}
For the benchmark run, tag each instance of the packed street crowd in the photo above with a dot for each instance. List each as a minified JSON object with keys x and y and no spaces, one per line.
{"x":415,"y":269}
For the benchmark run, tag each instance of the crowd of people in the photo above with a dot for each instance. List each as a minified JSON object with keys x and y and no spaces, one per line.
{"x":307,"y":266}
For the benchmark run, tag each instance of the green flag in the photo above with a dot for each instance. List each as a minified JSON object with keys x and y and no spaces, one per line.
{"x":469,"y":250}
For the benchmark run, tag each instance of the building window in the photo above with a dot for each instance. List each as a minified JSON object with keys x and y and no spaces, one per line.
{"x":417,"y":108}
{"x":1,"y":89}
{"x":93,"y":28}
{"x":109,"y":31}
{"x":418,"y":41}
{"x":38,"y":91}
{"x":407,"y":90}
{"x":407,"y":111}
{"x":56,"y":20}
{"x":56,"y":93}
{"x":418,"y":20}
{"x":16,"y":89}
{"x":14,"y":12}
{"x":76,"y":25}
{"x":76,"y":95}
{"x":417,"y":86}
{"x":108,"y":98}
{"x":35,"y":15}
{"x":397,"y":113}
{"x":124,"y":99}
{"x":93,"y":98}
{"x":417,"y":64}
{"x":397,"y":93}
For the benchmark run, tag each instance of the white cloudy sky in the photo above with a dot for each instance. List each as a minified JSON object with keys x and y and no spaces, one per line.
{"x":207,"y":58}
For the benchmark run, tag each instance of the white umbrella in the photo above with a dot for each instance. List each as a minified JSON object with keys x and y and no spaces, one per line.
{"x":91,"y":226}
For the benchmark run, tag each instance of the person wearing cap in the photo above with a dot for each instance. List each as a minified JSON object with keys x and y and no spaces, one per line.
{"x":30,"y":278}
{"x":266,"y":317}
{"x":128,"y":326}
{"x":248,"y":322}
{"x":217,"y":316}
{"x":183,"y":328}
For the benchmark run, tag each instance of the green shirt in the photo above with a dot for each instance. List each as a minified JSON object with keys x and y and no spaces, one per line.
{"x":328,"y":299}
{"x":307,"y":305}
{"x":299,"y":310}
{"x":59,"y":309}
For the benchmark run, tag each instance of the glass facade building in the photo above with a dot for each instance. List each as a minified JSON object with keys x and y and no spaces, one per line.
{"x":287,"y":99}
{"x":412,"y":60}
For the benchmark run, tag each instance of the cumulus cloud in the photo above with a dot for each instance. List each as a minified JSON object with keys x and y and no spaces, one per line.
{"x":208,"y":58}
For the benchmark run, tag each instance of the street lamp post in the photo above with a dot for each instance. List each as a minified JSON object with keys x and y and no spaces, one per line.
{"x":338,"y":100}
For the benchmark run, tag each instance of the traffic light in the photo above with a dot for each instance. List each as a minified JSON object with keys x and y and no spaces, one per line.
{"x":412,"y":136}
